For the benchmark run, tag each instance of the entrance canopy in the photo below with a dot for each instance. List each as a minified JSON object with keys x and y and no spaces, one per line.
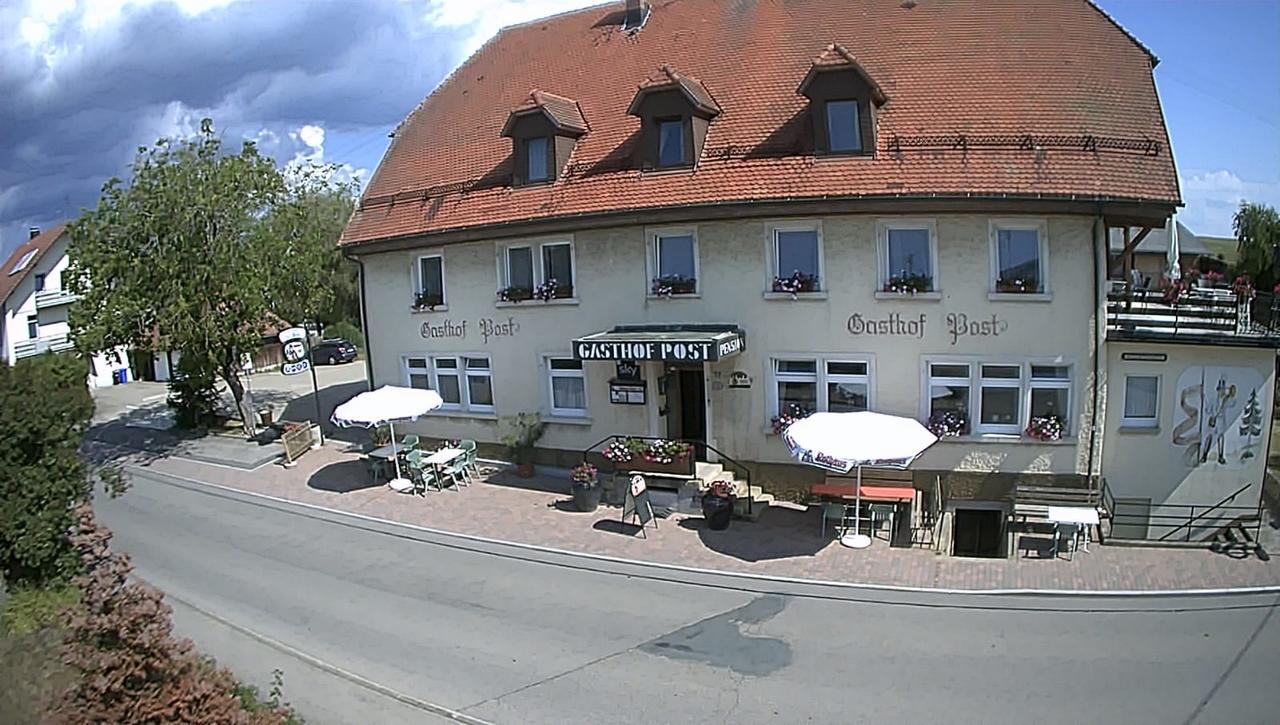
{"x":668,"y":343}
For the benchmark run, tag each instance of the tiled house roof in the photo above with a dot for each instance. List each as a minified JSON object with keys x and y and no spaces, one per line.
{"x":9,"y":280}
{"x":1026,"y":99}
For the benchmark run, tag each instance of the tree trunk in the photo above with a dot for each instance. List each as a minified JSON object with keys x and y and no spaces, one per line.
{"x":231,"y":374}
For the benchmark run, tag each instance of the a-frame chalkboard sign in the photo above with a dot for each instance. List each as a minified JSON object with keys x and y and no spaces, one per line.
{"x":636,"y":508}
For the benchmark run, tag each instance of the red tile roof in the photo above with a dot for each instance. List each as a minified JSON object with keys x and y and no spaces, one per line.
{"x":1021,"y":98}
{"x":40,"y":244}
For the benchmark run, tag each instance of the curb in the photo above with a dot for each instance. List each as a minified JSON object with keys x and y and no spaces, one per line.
{"x":751,"y":576}
{"x":320,"y":664}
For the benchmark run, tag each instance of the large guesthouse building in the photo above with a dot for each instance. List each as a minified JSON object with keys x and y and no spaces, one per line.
{"x":696,"y":220}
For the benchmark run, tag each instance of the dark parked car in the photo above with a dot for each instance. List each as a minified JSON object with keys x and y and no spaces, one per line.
{"x":333,"y":351}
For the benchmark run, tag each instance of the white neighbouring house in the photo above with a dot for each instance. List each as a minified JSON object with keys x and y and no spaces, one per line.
{"x":35,"y":304}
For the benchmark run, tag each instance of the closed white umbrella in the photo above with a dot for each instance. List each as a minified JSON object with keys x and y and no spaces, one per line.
{"x":841,"y":442}
{"x":385,"y":406}
{"x":1174,"y":253}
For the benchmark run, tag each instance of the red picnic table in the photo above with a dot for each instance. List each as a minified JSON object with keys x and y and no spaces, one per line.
{"x":871,"y":493}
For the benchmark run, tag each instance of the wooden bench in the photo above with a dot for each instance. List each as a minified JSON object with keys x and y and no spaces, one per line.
{"x":1034,"y":501}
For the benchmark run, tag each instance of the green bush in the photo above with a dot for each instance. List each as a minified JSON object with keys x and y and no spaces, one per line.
{"x":32,"y":609}
{"x":346,"y":331}
{"x":47,"y":409}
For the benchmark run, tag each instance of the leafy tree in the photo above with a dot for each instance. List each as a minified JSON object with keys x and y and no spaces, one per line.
{"x":1257,"y":228}
{"x":202,"y":251}
{"x":46,"y":408}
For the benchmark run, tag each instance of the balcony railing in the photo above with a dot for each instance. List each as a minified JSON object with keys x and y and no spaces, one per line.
{"x":54,"y":297}
{"x":1206,"y":314}
{"x":53,"y":343}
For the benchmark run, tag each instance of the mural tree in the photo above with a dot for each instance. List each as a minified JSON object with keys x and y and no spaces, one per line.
{"x":1251,"y":424}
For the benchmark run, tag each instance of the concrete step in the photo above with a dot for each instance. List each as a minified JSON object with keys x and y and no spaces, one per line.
{"x":708,"y":472}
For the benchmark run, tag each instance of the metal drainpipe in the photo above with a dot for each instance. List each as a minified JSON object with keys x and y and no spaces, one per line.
{"x":364,"y":322}
{"x":1098,"y":323}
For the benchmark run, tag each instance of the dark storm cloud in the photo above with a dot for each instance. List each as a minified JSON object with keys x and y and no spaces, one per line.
{"x":68,"y":125}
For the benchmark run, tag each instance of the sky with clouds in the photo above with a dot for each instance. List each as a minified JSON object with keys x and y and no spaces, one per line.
{"x":86,"y":82}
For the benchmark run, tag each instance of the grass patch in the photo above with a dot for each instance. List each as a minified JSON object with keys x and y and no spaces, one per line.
{"x":30,"y":610}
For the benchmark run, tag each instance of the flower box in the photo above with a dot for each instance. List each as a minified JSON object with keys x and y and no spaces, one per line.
{"x":651,"y":456}
{"x":1019,"y":285}
{"x":797,"y":283}
{"x":679,"y":467}
{"x":673,"y":284}
{"x":911,"y":284}
{"x":515,"y":294}
{"x":423,"y":301}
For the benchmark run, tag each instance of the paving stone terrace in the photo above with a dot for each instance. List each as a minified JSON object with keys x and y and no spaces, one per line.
{"x":784,"y":542}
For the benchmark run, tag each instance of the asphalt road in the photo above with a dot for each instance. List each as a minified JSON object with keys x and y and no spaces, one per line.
{"x":514,"y":636}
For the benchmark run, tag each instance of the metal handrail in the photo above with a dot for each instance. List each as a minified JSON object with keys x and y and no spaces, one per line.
{"x":741,"y":467}
{"x":1192,"y":518}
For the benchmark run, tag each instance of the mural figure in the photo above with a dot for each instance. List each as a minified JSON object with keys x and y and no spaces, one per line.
{"x":1214,"y":430}
{"x":1218,"y":412}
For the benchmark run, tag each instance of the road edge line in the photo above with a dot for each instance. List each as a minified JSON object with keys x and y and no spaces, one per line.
{"x":1117,"y":593}
{"x":290,"y":650}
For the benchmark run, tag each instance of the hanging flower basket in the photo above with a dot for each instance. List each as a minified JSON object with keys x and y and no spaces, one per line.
{"x":947,"y":424}
{"x":797,"y":283}
{"x":1046,"y":428}
{"x":673,"y":284}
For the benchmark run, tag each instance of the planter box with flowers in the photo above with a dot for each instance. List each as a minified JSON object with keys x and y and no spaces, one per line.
{"x":796,"y":284}
{"x":651,"y":456}
{"x":1018,"y":285}
{"x":1213,"y":278}
{"x":787,"y":416}
{"x":552,"y":290}
{"x":947,"y":424}
{"x":908,"y":284}
{"x":425,"y":302}
{"x":515,"y":294}
{"x":1046,"y":428}
{"x":673,"y":284}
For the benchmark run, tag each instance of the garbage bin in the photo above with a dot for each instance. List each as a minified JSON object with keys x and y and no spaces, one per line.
{"x":267,"y":415}
{"x":117,"y":377}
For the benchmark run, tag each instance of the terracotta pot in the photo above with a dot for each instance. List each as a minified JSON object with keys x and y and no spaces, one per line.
{"x":524,"y":470}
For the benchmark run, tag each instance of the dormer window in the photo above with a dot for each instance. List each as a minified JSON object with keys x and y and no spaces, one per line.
{"x":537,"y":160}
{"x":671,"y":142}
{"x":675,"y":112}
{"x":843,"y":99}
{"x":543,"y":130}
{"x":843,"y":132}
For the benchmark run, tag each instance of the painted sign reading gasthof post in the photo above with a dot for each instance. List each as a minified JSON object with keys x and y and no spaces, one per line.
{"x":295,"y":351}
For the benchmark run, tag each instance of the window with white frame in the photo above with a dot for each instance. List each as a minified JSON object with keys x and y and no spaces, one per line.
{"x":479,"y":384}
{"x":1018,"y":252}
{"x":542,"y":271}
{"x":417,"y":373}
{"x":447,"y":381}
{"x":33,"y":327}
{"x":568,"y":387}
{"x":908,"y":253}
{"x":673,"y":262}
{"x":1141,"y":401}
{"x":429,"y":292}
{"x":796,"y":258}
{"x":836,"y":385}
{"x":999,"y":398}
{"x":949,"y":399}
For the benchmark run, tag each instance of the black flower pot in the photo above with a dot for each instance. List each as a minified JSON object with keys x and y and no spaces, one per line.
{"x":718,"y":511}
{"x":586,"y":498}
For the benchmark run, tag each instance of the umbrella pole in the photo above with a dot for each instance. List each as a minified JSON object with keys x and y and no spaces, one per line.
{"x":395,"y":453}
{"x":857,"y":504}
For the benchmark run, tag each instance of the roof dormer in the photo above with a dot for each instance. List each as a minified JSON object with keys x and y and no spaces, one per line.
{"x":843,"y":99}
{"x":674,"y":111}
{"x":543,"y":131}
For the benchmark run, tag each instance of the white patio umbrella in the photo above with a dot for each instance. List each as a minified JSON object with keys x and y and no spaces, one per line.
{"x":1174,"y":252}
{"x":385,"y":406}
{"x":841,"y":442}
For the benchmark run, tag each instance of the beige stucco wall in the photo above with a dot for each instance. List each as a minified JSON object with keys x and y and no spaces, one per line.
{"x":1161,"y":463}
{"x":612,"y":281}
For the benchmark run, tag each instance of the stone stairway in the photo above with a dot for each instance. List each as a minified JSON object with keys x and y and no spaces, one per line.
{"x":752,"y":500}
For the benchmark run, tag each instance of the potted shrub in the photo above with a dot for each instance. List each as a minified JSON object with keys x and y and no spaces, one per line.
{"x":586,"y":487}
{"x":525,"y":430}
{"x":717,"y":505}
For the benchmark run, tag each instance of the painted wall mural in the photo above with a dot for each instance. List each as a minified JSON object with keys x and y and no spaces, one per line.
{"x":1219,"y":416}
